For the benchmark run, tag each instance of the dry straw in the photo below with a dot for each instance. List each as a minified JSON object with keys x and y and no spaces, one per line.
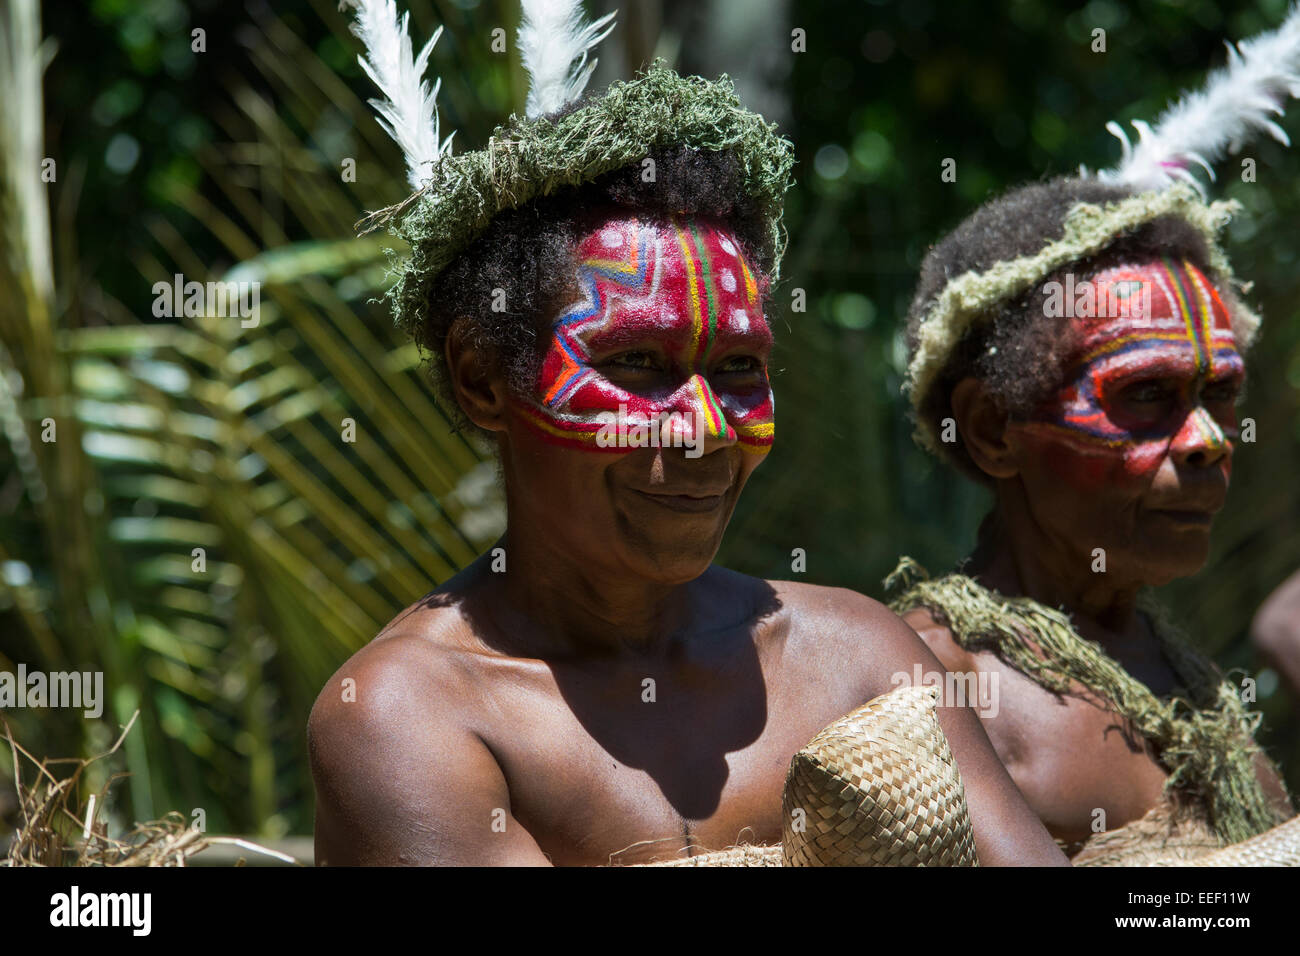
{"x":58,"y":829}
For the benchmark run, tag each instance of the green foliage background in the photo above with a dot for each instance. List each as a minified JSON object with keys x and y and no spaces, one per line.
{"x":192,"y":432}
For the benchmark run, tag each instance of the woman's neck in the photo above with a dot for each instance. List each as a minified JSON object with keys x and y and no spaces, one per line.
{"x":1016,"y":557}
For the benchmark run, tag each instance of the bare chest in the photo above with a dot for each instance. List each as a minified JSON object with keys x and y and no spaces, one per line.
{"x":1079,"y":765}
{"x":635,"y":767}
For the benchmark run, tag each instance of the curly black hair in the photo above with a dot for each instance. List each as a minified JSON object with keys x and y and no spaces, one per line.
{"x":1018,"y":352}
{"x":525,"y":258}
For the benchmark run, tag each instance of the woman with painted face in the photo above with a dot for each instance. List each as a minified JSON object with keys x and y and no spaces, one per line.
{"x":1077,"y":347}
{"x":594,"y":689}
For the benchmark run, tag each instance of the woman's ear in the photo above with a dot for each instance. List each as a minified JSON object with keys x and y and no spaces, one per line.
{"x":479,"y":388}
{"x":983,"y":428}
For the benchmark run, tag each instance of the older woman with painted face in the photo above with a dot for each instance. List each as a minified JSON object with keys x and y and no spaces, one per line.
{"x":1097,"y":401}
{"x":1077,"y":347}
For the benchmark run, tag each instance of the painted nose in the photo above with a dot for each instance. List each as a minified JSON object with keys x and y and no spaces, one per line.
{"x":1201,"y":440}
{"x":699,"y":421}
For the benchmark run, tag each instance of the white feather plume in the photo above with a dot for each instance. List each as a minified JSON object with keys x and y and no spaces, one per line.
{"x":1236,"y":102}
{"x":408,"y":112}
{"x":554,"y":40}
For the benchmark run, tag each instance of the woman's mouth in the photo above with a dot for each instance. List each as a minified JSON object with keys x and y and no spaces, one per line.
{"x":694,"y":503}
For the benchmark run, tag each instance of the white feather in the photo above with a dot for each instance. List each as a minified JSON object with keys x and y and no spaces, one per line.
{"x":1204,"y":126}
{"x":408,"y":112}
{"x":554,"y":40}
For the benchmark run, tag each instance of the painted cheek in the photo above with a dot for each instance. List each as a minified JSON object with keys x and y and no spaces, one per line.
{"x":752,"y":415}
{"x":1090,"y":469}
{"x":1142,"y":460}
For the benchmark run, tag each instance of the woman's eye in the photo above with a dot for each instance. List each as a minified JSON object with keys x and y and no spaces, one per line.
{"x":1147,"y":392}
{"x":1220,"y":392}
{"x":741,"y":363}
{"x":637,"y":360}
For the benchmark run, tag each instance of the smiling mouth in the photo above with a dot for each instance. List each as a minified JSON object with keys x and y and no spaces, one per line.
{"x":689,"y":504}
{"x":1186,"y":518}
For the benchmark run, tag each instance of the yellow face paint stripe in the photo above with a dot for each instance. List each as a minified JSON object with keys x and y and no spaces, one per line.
{"x":693,"y":283}
{"x":1188,"y":319}
{"x":1209,"y":429}
{"x":1116,"y":344}
{"x":751,"y":288}
{"x":1207,"y":314}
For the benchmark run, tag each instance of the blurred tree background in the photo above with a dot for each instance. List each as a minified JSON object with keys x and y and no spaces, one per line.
{"x":200,"y":532}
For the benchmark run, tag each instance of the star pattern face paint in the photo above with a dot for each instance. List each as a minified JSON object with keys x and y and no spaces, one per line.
{"x":669,"y":333}
{"x":1145,"y":385}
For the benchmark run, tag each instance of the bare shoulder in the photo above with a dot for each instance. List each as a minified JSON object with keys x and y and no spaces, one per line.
{"x":1277,"y":622}
{"x":396,"y":757}
{"x":938,"y":638}
{"x":840,"y":609}
{"x":412,"y":666}
{"x":854,"y":633}
{"x":409,"y":678}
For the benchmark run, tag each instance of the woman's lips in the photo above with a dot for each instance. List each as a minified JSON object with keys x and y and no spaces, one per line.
{"x":1187,"y":517}
{"x":688,"y":503}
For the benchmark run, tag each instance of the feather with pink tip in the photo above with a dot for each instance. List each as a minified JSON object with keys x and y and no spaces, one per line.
{"x":1237,"y":102}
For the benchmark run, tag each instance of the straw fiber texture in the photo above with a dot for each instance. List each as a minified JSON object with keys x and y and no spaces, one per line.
{"x":1205,"y":737}
{"x":736,"y":856}
{"x":1280,"y":846}
{"x":879,"y":787}
{"x":1165,"y":838}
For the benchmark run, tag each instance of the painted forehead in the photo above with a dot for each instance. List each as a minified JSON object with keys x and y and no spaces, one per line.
{"x":1166,"y":307}
{"x":673,"y":279}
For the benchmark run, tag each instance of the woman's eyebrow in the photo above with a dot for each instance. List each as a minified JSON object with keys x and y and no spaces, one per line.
{"x":635,"y":333}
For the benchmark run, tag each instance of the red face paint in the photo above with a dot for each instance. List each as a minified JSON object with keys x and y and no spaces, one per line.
{"x":667,"y":345}
{"x":1145,"y":383}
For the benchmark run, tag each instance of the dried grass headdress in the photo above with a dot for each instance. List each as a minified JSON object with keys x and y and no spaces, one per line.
{"x":1236,"y":103}
{"x":456,"y":197}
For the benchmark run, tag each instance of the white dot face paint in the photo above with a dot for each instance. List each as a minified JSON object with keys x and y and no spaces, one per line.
{"x":741,"y":318}
{"x":727,"y":246}
{"x":611,"y":238}
{"x":727,"y":279}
